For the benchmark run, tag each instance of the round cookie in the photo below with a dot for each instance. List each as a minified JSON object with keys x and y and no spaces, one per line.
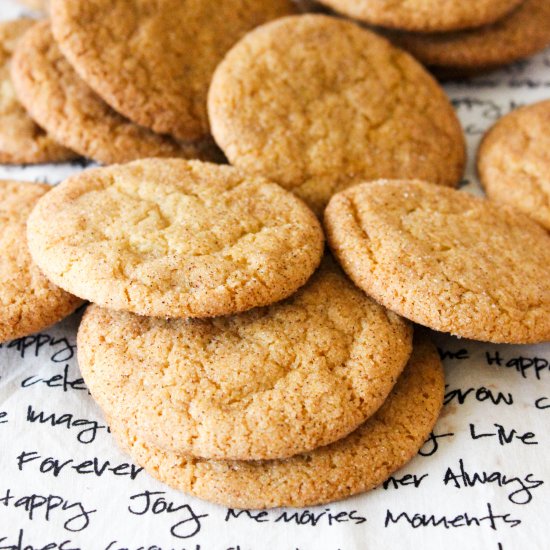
{"x":62,"y":103}
{"x":28,"y":301}
{"x":153,"y":62}
{"x":520,"y":34}
{"x":21,"y":140}
{"x":175,"y":238}
{"x":358,"y":463}
{"x":269,"y":383}
{"x":425,"y":15}
{"x":344,"y":107}
{"x":514,"y":161}
{"x":445,"y":259}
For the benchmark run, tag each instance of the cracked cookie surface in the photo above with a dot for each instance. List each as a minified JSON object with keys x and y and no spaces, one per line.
{"x":445,"y":259}
{"x":67,"y":107}
{"x":153,"y":61}
{"x":424,"y":15}
{"x":268,"y":383}
{"x":175,"y":238}
{"x":28,"y":300}
{"x":355,"y":464}
{"x":514,"y":161}
{"x":22,"y":141}
{"x":522,"y":33}
{"x":318,"y":104}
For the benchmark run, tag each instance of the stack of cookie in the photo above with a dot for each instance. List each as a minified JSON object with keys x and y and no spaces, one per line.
{"x":232,"y":356}
{"x":458,"y":38}
{"x":109,"y":102}
{"x":217,"y":342}
{"x":229,"y":369}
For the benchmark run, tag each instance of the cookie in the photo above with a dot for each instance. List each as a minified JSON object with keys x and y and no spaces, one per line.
{"x":28,"y":301}
{"x":425,"y":15}
{"x":342,"y":108}
{"x":153,"y":62}
{"x":514,"y":161}
{"x":21,"y":140}
{"x":269,"y":383}
{"x":358,"y":463}
{"x":445,"y":259}
{"x":62,"y":103}
{"x":520,"y":34}
{"x":175,"y":238}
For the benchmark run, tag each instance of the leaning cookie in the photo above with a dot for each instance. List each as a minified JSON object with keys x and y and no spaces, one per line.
{"x":62,"y":103}
{"x":425,"y":15}
{"x":356,"y":464}
{"x":522,"y":33}
{"x":445,"y":259}
{"x":28,"y":300}
{"x":344,"y":107}
{"x":514,"y":161}
{"x":21,"y":140}
{"x":269,"y":383}
{"x":175,"y":238}
{"x":153,"y":62}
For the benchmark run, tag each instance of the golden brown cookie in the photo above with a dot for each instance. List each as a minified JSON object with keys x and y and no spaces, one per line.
{"x":175,"y":238}
{"x":28,"y":301}
{"x":342,"y":108}
{"x":425,"y":15}
{"x":269,"y":383}
{"x":445,"y":259}
{"x":520,"y":34}
{"x":358,"y":463}
{"x":153,"y":61}
{"x":21,"y":140}
{"x":514,"y":161}
{"x":62,"y":103}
